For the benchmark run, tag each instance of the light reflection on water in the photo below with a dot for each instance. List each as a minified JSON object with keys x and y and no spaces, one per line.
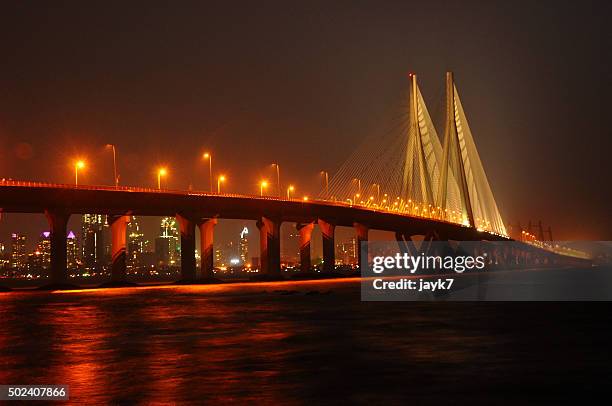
{"x":290,"y":342}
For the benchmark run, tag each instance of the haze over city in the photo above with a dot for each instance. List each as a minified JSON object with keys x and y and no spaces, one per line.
{"x":225,"y":80}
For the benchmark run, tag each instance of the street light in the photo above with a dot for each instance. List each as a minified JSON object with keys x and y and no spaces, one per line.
{"x":208,"y":156}
{"x":278,"y":187}
{"x":289,"y":190}
{"x":220,"y":180}
{"x":325,"y":176}
{"x":358,"y":185}
{"x":262,"y":185}
{"x":80,"y":164}
{"x":161,"y":172}
{"x":112,"y":147}
{"x":377,"y":186}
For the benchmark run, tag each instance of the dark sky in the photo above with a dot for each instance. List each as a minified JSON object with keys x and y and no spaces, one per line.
{"x":303,"y":84}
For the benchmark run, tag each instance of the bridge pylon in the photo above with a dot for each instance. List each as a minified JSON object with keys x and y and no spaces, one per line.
{"x":207,"y":252}
{"x":118,"y":225}
{"x":269,"y":246}
{"x":58,"y":225}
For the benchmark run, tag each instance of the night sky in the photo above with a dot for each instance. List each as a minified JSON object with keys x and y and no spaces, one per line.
{"x":304,"y":84}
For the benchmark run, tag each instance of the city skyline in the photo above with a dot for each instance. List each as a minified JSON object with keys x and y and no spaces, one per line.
{"x":88,"y":253}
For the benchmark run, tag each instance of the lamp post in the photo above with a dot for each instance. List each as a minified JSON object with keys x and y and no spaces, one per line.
{"x":112,"y":147}
{"x":325,"y":176}
{"x":377,"y":186}
{"x":289,"y":190}
{"x":358,"y":185}
{"x":220,"y":180}
{"x":160,"y":172}
{"x":262,"y":185}
{"x":208,"y":155}
{"x":78,"y":165}
{"x":278,"y":186}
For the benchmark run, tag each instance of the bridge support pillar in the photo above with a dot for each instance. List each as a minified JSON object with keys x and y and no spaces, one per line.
{"x":269,"y":246}
{"x":207,"y":231}
{"x":188,"y":263}
{"x":329,"y":245}
{"x":362,"y":236}
{"x":118,"y":225}
{"x":305,"y":236}
{"x":58,"y":222}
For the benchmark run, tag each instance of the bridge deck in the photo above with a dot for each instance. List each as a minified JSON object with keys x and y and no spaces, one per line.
{"x":36,"y":197}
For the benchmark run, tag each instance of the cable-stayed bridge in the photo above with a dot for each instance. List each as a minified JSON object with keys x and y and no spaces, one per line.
{"x":409,"y":170}
{"x":407,"y":182}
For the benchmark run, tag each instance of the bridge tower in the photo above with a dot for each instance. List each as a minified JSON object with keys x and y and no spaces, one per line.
{"x":462,"y":168}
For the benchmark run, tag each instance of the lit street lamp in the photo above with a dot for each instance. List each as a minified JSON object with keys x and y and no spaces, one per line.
{"x":161,"y":172}
{"x":112,"y":147}
{"x":208,"y":156}
{"x":278,"y":187}
{"x":325,"y":176}
{"x":220,"y":180}
{"x":78,"y":165}
{"x":377,"y":186}
{"x":262,"y":185}
{"x":289,"y":190}
{"x":358,"y":185}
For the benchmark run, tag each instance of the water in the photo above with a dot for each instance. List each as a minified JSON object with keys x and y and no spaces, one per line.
{"x":296,"y":343}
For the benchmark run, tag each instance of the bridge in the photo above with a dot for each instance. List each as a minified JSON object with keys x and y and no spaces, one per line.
{"x":200,"y":209}
{"x":411,"y":185}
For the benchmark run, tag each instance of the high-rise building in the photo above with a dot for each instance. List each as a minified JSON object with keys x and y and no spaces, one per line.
{"x":44,"y":248}
{"x":167,"y":245}
{"x":291,"y":247}
{"x":4,"y":260}
{"x":219,"y":257}
{"x":346,"y":252}
{"x":243,"y":246}
{"x":93,"y":246}
{"x":135,"y":244}
{"x":72,"y":251}
{"x":19,"y":257}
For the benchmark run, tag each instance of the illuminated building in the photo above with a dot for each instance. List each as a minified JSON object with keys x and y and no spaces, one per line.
{"x":93,"y":247}
{"x":291,"y":247}
{"x":72,"y":251}
{"x":4,"y":260}
{"x":135,"y":244}
{"x":40,"y":259}
{"x":167,"y":245}
{"x":243,"y":247}
{"x":19,"y":258}
{"x":44,"y":248}
{"x":219,"y":259}
{"x":225,"y":254}
{"x":346,"y":252}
